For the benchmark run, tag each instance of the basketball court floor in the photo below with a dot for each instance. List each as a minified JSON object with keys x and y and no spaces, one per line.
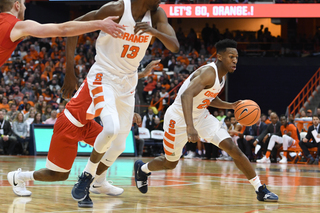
{"x":194,"y":186}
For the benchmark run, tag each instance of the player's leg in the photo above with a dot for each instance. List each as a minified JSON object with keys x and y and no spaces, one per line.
{"x":287,"y":142}
{"x":272,"y":142}
{"x":210,"y":130}
{"x":62,"y":152}
{"x":104,"y":99}
{"x":174,"y":139}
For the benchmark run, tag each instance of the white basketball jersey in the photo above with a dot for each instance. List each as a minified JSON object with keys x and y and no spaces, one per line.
{"x":203,"y":99}
{"x":123,"y":55}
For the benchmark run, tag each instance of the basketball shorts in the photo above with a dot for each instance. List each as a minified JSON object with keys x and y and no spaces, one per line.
{"x":175,"y":133}
{"x":113,"y":93}
{"x":64,"y":142}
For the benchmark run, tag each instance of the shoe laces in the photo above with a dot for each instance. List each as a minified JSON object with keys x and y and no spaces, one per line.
{"x":83,"y":180}
{"x":265,"y":190}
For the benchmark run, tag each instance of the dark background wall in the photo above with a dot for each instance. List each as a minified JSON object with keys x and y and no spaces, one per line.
{"x":272,"y":82}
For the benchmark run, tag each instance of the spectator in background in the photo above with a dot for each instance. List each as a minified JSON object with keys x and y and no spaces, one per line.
{"x":264,"y":119}
{"x":146,"y":59}
{"x":28,"y":91}
{"x":309,"y":113}
{"x":221,"y":115}
{"x":20,"y":130}
{"x":8,"y":141}
{"x":47,"y":95}
{"x":139,"y":141}
{"x":158,"y":125}
{"x":37,"y":118}
{"x":17,"y":95}
{"x":29,"y":118}
{"x":148,"y":120}
{"x":150,"y":85}
{"x":4,"y":104}
{"x":52,"y":119}
{"x":47,"y":112}
{"x":310,"y":141}
{"x":13,"y":112}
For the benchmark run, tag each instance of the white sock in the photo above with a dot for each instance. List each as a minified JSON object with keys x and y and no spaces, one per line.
{"x":145,"y":169}
{"x":91,"y":168}
{"x":100,"y":178}
{"x":26,"y":176}
{"x":255,"y":182}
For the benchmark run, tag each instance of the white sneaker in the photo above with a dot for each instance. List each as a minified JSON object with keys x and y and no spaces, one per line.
{"x":18,"y":185}
{"x":257,"y":148}
{"x":105,"y":187}
{"x":190,"y":155}
{"x":283,"y":160}
{"x":264,"y":160}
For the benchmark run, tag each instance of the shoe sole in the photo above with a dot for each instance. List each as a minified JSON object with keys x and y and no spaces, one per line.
{"x":10,"y":180}
{"x":97,"y":193}
{"x":85,"y":205}
{"x":77,"y":199}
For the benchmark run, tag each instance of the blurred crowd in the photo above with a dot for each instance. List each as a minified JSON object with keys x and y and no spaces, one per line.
{"x":31,"y":80}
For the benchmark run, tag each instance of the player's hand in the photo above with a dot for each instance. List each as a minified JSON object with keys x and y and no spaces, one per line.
{"x":265,"y":138}
{"x":145,"y":28}
{"x":111,"y":27}
{"x":305,"y":140}
{"x":235,"y":104}
{"x":70,"y":84}
{"x":192,"y":135}
{"x":150,"y":66}
{"x":137,"y":119}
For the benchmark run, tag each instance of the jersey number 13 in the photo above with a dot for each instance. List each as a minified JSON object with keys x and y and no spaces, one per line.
{"x":130,"y":52}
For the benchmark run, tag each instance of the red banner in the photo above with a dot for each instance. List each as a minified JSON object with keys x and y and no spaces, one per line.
{"x":242,"y":10}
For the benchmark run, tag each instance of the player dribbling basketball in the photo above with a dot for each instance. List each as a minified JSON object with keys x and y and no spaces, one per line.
{"x":188,"y":118}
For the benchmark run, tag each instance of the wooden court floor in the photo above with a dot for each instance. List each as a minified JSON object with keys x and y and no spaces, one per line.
{"x":194,"y":186}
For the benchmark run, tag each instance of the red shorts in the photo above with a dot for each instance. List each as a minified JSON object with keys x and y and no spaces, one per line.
{"x":64,"y":142}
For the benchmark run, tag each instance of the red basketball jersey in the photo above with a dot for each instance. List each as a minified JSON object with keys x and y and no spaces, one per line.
{"x":7,"y":22}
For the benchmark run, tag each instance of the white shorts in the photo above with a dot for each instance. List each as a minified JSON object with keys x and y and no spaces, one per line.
{"x":175,"y":136}
{"x":114,"y":93}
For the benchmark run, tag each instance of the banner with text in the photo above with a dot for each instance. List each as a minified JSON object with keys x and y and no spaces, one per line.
{"x":242,"y":10}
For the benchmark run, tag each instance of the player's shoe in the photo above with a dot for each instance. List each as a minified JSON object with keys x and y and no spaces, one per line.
{"x":18,"y":185}
{"x":283,"y":160}
{"x":105,"y":187}
{"x":141,"y":177}
{"x":265,"y":195}
{"x":81,"y":189}
{"x":86,"y":203}
{"x":264,"y":160}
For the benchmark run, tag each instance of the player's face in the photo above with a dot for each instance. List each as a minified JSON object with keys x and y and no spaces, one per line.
{"x":230,"y":59}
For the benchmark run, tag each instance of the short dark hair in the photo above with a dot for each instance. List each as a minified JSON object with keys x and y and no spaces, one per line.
{"x":316,"y":116}
{"x":222,"y":45}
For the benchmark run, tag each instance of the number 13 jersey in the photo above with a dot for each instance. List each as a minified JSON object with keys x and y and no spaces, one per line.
{"x":121,"y":56}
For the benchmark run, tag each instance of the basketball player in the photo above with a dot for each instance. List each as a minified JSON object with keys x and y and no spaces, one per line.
{"x":113,"y":77}
{"x":188,"y":118}
{"x":289,"y":139}
{"x":71,"y":127}
{"x":13,"y":29}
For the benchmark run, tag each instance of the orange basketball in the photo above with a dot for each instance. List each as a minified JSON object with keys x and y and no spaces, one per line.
{"x":247,"y":112}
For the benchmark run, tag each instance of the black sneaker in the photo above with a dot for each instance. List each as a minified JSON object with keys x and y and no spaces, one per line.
{"x":265,"y":195}
{"x":316,"y":161}
{"x":86,"y":203}
{"x":81,"y":189}
{"x":141,"y":177}
{"x":311,"y":160}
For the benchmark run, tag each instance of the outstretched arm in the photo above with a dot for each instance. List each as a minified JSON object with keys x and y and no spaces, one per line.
{"x":109,"y":9}
{"x":218,"y":103}
{"x":162,"y":30}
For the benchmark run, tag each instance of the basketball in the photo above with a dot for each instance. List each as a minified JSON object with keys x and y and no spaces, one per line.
{"x":247,"y":112}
